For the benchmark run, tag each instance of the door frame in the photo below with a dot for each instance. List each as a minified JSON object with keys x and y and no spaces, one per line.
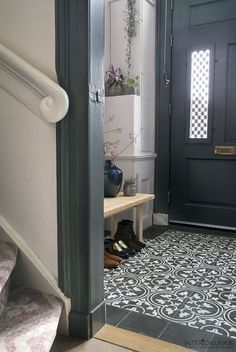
{"x":79,"y":65}
{"x":164,"y":17}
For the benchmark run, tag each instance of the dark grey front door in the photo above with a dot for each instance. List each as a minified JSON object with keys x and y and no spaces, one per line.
{"x":203,"y":122}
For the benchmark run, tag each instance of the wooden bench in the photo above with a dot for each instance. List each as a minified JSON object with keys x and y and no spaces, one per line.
{"x":119,"y":204}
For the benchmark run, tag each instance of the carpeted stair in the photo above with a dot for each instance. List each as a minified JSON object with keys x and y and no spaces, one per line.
{"x":28,"y":318}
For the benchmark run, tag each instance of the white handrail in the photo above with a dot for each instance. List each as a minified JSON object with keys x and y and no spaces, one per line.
{"x":54,"y":101}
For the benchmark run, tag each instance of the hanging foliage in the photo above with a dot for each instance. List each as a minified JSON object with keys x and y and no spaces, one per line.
{"x":130,"y":20}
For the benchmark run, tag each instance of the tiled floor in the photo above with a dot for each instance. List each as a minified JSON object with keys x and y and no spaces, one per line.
{"x":181,"y":290}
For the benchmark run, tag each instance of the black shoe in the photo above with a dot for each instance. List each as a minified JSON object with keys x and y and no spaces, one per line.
{"x":129,"y":223}
{"x":126,"y":248}
{"x":114,"y":248}
{"x":123,"y":234}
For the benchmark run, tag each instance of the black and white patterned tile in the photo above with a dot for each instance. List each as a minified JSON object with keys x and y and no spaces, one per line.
{"x":181,"y":277}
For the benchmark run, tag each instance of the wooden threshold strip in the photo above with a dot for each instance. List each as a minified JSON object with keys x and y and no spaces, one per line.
{"x":136,"y":342}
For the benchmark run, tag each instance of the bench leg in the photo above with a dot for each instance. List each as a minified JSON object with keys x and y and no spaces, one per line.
{"x":113,"y":225}
{"x":139,"y":222}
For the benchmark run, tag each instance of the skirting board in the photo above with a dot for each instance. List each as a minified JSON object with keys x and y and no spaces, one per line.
{"x":160,"y":219}
{"x":136,"y":342}
{"x":84,"y":326}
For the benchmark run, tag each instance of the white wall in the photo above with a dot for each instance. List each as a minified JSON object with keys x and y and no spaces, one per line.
{"x":27,"y":27}
{"x":148,"y":29}
{"x":142,"y":58}
{"x":133,"y":115}
{"x":27,"y":143}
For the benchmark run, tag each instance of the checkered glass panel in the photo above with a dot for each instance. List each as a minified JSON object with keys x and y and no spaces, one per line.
{"x":200,"y":72}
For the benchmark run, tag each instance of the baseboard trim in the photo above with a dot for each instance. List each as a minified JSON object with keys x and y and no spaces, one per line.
{"x":160,"y":219}
{"x":79,"y":325}
{"x":136,"y":342}
{"x":85,"y":326}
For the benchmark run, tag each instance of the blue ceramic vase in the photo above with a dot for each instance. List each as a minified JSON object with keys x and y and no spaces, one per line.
{"x":113,"y":177}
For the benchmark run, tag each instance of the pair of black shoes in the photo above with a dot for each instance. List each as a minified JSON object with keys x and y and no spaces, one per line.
{"x":118,"y":248}
{"x":125,"y":233}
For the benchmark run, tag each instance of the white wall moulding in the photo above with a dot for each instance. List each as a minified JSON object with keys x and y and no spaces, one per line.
{"x":133,"y":113}
{"x":32,"y":88}
{"x":147,"y":73}
{"x":149,"y":156}
{"x":123,"y":113}
{"x":143,"y":58}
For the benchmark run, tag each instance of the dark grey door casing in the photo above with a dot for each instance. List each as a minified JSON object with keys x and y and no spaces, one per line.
{"x":163,"y":111}
{"x":202,"y":183}
{"x":79,"y":62}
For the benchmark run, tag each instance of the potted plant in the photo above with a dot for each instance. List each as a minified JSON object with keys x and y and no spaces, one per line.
{"x":117,"y":84}
{"x":114,"y":81}
{"x":129,"y":188}
{"x":131,"y":86}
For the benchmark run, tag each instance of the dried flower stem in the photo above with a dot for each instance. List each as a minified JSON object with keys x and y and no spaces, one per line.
{"x":116,"y":130}
{"x":133,"y":140}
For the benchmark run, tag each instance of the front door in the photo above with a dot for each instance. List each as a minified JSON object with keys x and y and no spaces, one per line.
{"x":203,"y":122}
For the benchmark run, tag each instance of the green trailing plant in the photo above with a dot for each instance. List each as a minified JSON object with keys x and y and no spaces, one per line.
{"x":130,"y":181}
{"x":130,"y":20}
{"x":132,"y":82}
{"x":129,"y":187}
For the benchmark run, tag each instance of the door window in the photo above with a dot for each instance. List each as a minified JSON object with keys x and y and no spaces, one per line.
{"x":199,"y":95}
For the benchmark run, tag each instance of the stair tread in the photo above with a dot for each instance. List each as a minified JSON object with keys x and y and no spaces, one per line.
{"x":29,"y":322}
{"x":8,"y":254}
{"x":4,"y":297}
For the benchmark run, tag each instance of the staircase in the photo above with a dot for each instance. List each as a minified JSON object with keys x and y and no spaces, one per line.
{"x":28,"y":318}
